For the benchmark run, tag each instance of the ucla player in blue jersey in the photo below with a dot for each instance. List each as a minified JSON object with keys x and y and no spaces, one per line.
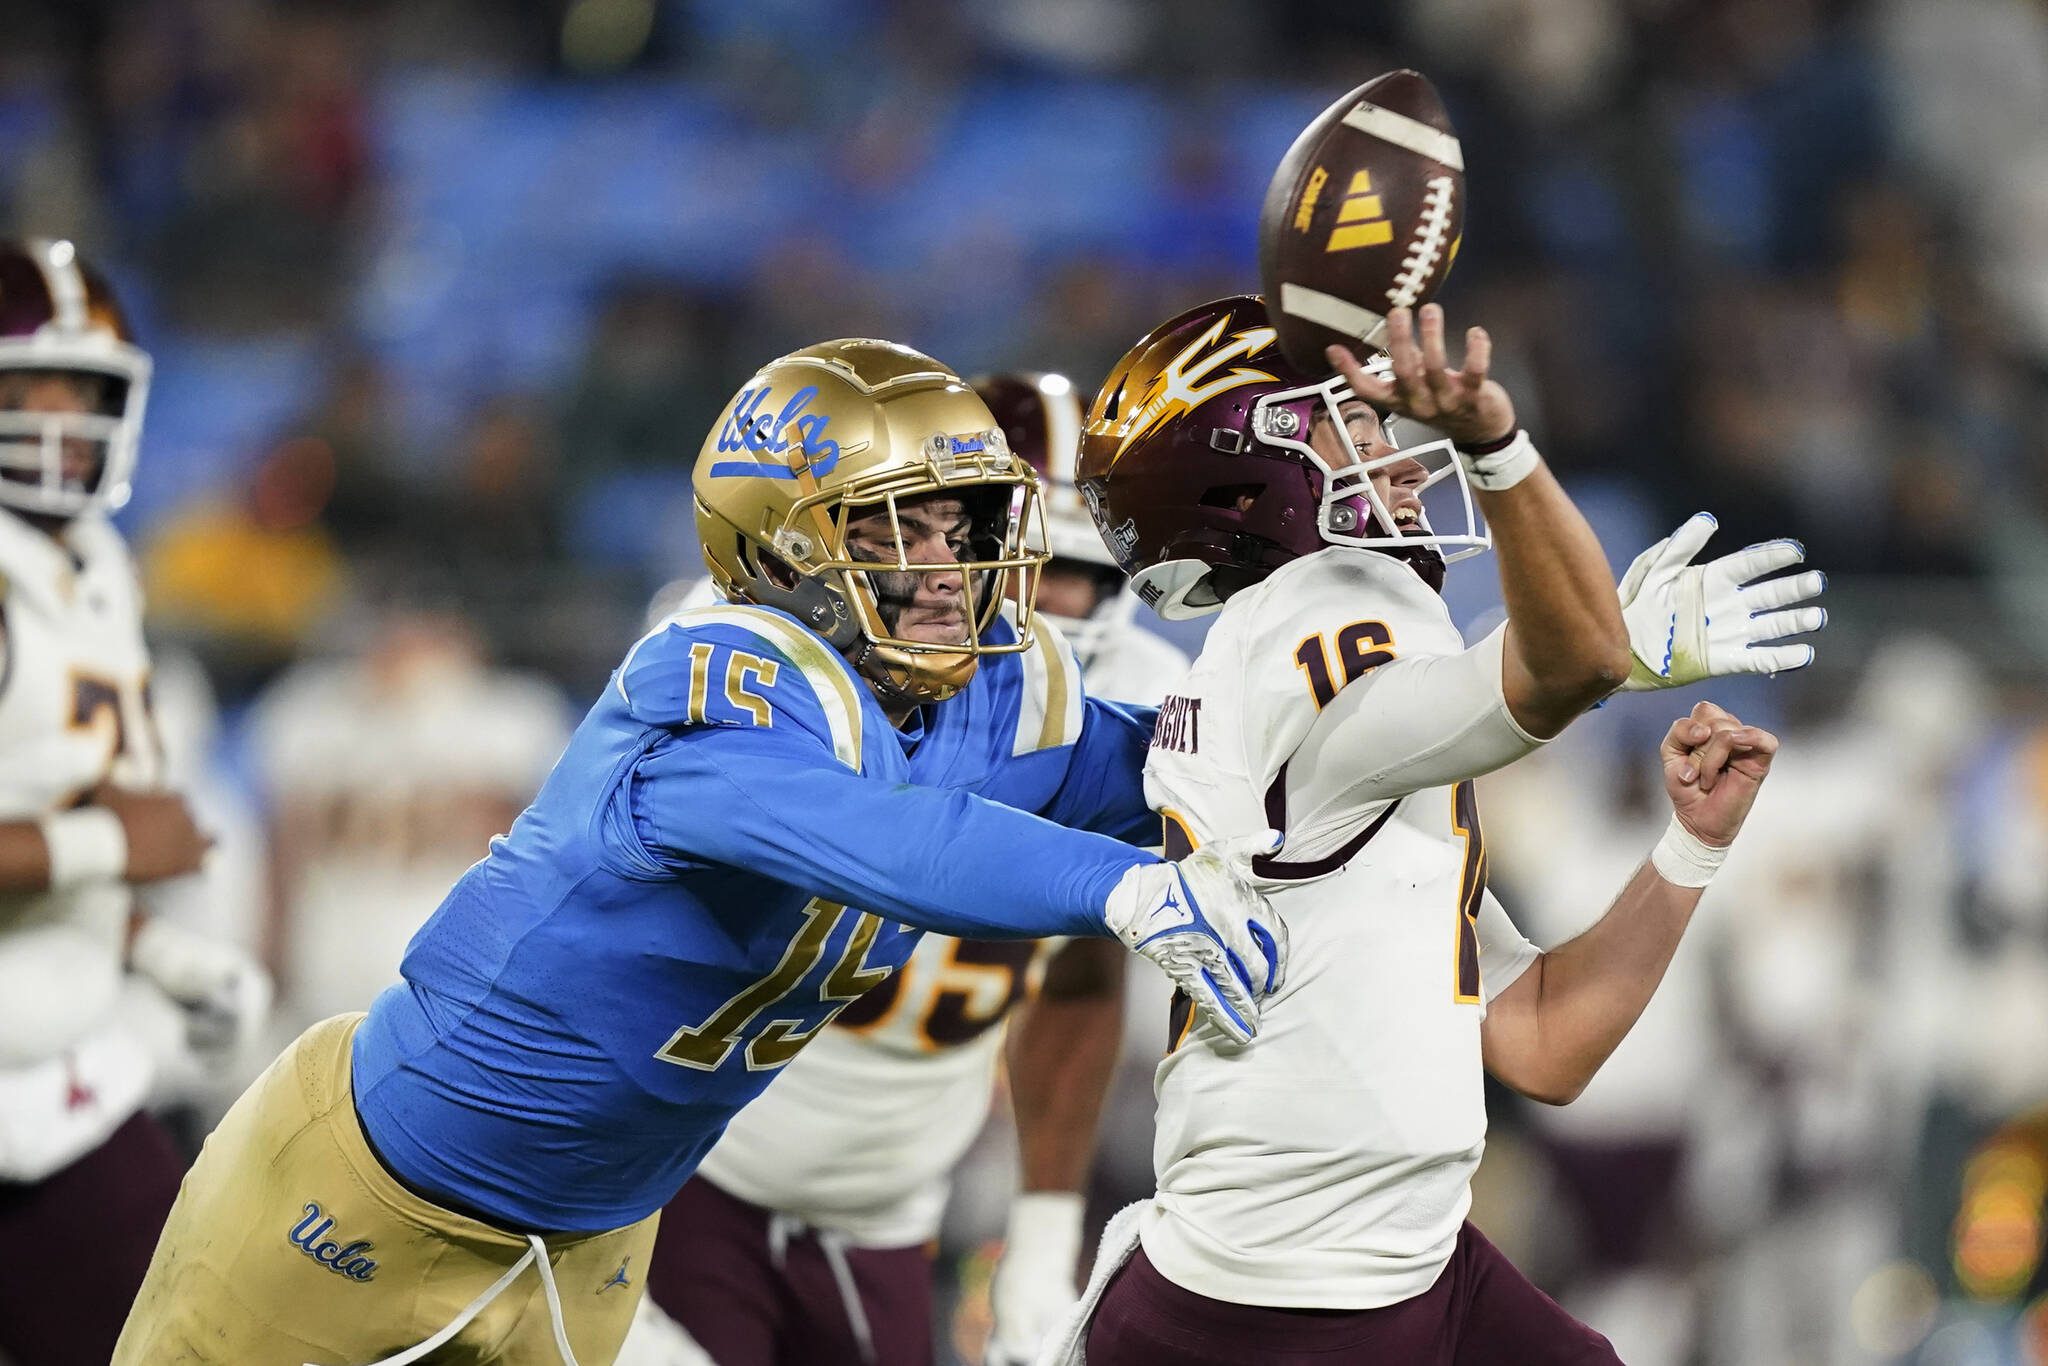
{"x":738,"y":841}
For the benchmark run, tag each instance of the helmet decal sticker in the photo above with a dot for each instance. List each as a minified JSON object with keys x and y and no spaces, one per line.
{"x":1186,"y":381}
{"x":750,"y":429}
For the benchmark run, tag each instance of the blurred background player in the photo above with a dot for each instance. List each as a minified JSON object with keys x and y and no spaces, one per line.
{"x":389,"y":764}
{"x":86,"y":1176}
{"x":806,"y":1236}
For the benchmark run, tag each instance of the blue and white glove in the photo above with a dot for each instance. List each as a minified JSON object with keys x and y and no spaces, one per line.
{"x":1688,"y":622}
{"x":1204,"y":923}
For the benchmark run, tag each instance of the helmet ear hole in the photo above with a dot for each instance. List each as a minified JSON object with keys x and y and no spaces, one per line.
{"x":1234,"y":497}
{"x":777,"y":571}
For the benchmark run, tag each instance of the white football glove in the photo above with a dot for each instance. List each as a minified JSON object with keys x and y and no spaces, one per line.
{"x":224,"y":992}
{"x":1033,"y":1289}
{"x":1687,"y":622}
{"x":1205,"y":924}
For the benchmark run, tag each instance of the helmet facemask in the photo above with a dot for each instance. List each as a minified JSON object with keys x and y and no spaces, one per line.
{"x":34,"y":445}
{"x":856,"y":600}
{"x":1352,"y":511}
{"x":997,"y":564}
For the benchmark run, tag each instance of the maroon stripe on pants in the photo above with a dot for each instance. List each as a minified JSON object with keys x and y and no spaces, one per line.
{"x":715,"y":1273}
{"x":74,"y":1246}
{"x":1480,"y":1312}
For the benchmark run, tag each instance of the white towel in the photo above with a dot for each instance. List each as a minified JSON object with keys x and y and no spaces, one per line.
{"x":1119,"y":1240}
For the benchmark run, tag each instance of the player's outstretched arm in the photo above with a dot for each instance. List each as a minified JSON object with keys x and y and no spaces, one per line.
{"x":1062,"y":1054}
{"x":1548,"y":1033}
{"x":1566,"y":646}
{"x":776,"y":804}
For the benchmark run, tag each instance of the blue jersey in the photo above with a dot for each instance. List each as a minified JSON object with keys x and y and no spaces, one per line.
{"x":734,"y":846}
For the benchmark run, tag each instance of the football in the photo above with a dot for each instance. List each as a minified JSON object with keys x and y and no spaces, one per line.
{"x":1364,"y":216}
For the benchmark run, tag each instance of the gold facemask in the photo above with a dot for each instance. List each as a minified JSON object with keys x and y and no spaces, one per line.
{"x":831,"y":433}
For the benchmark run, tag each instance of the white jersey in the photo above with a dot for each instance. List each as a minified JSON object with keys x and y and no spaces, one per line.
{"x":74,"y":712}
{"x":860,"y":1133}
{"x":1327,"y":1164}
{"x":390,"y":775}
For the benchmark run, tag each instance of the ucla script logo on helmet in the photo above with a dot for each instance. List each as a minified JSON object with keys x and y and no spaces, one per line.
{"x":754,"y":429}
{"x":1186,"y":381}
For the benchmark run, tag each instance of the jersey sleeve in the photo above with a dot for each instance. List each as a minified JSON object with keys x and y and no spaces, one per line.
{"x":1414,"y":722}
{"x":1104,"y":787}
{"x":755,"y":765}
{"x":1504,"y":955}
{"x":774,"y":804}
{"x":742,"y":669}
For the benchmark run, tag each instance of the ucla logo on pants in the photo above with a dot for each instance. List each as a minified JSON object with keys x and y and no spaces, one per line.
{"x":310,"y":1237}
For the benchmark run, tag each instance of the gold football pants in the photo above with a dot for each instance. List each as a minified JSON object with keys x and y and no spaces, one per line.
{"x":291,"y":1244}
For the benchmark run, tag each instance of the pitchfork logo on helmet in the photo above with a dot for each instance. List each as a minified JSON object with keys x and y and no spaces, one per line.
{"x":848,"y":429}
{"x":1189,"y":379}
{"x":1198,"y":465}
{"x":59,"y":319}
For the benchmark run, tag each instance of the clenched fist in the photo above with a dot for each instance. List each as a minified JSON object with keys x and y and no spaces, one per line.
{"x":1713,"y":766}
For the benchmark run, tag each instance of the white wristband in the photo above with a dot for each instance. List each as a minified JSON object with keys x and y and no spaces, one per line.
{"x":86,"y":845}
{"x":1047,"y":1224}
{"x":1683,"y":859}
{"x":1504,"y":468}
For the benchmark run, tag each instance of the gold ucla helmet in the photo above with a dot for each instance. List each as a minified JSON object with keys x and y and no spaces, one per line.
{"x":843,"y":429}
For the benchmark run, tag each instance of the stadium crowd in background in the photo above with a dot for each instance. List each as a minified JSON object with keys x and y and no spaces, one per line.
{"x":443,"y":295}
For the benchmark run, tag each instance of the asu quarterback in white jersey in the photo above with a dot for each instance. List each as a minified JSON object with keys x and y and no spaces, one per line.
{"x":1328,"y":1168}
{"x":88,"y":1175}
{"x":845,"y":1162}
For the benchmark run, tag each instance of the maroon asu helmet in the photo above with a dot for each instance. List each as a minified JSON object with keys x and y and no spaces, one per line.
{"x":1197,"y":466}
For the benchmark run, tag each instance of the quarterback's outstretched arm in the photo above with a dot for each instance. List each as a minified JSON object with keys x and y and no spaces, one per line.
{"x":1548,"y":1033}
{"x":1566,"y":645}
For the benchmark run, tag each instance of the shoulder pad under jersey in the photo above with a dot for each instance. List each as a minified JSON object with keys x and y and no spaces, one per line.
{"x":743,"y":666}
{"x":1049,"y":711}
